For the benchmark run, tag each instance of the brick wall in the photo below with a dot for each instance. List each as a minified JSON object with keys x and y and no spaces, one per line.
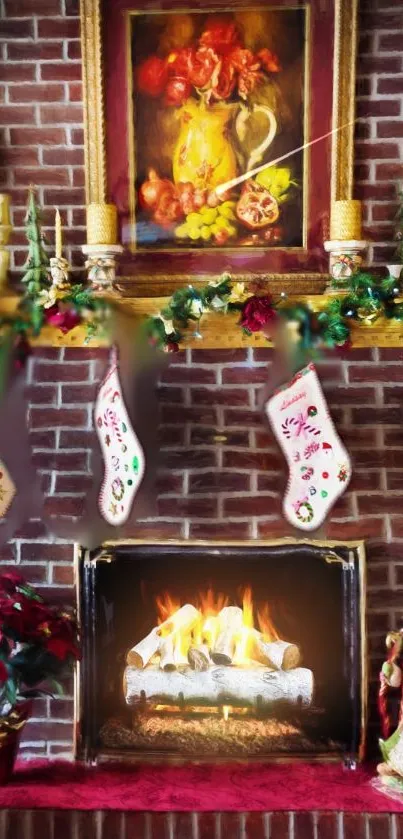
{"x":206,"y":489}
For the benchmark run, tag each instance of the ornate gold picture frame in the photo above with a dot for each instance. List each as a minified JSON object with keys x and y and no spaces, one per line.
{"x":104,"y":33}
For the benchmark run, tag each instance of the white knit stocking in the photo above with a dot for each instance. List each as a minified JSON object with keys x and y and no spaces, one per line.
{"x":319,"y":465}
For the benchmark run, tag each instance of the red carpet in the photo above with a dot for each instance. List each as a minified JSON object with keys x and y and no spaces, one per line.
{"x":258,"y":787}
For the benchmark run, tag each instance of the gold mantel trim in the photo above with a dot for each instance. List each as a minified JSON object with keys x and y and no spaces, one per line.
{"x":344,"y":73}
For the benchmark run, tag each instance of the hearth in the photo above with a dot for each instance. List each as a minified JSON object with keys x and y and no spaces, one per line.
{"x":219,"y":651}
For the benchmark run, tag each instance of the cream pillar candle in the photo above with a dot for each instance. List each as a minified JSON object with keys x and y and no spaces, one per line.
{"x":58,"y":235}
{"x":102,"y":224}
{"x":4,"y":209}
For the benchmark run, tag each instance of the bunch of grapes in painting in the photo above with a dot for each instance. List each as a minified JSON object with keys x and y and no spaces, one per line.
{"x":209,"y":108}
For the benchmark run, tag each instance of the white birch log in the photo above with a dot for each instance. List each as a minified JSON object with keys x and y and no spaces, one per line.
{"x":230,"y":623}
{"x":258,"y":686}
{"x":199,"y":657}
{"x":184,"y":619}
{"x":282,"y":655}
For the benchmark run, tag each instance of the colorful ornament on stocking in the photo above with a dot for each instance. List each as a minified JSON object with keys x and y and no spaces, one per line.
{"x":319,"y":465}
{"x":7,"y":490}
{"x":123,"y":455}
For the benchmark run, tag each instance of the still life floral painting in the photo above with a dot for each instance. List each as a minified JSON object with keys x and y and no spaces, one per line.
{"x":217,"y":99}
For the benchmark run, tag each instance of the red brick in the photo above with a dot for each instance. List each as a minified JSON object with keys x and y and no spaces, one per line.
{"x":169,"y":483}
{"x":53,"y":72}
{"x":60,"y":113}
{"x":171,"y":435}
{"x":62,"y":708}
{"x":219,"y":530}
{"x":34,"y":51}
{"x":376,"y":192}
{"x":254,"y":826}
{"x":304,"y":826}
{"x":189,"y":375}
{"x":160,"y":826}
{"x":74,"y":50}
{"x":391,"y":42}
{"x":48,"y":417}
{"x":252,"y":505}
{"x":62,"y":198}
{"x":397,"y":527}
{"x":353,"y":826}
{"x":380,"y":151}
{"x":243,"y":418}
{"x":378,"y":373}
{"x":17,"y":115}
{"x":64,"y":506}
{"x":47,"y":730}
{"x":234,"y":356}
{"x":206,"y":482}
{"x":77,"y":139}
{"x":112,"y":823}
{"x":75,"y":237}
{"x":207,"y":824}
{"x":207,"y":436}
{"x":75,"y":92}
{"x":280,"y":825}
{"x":231,"y":825}
{"x":31,"y":530}
{"x":36,"y":93}
{"x":220,"y":396}
{"x":178,"y":507}
{"x":65,"y":461}
{"x":378,"y":576}
{"x":34,"y":573}
{"x":171,"y":395}
{"x":327,"y":826}
{"x":270,"y":482}
{"x":394,"y":480}
{"x":262,"y":461}
{"x":379,"y":826}
{"x":23,"y":72}
{"x":62,"y":28}
{"x":135,"y":825}
{"x":63,"y":575}
{"x":202,"y":415}
{"x":368,"y":479}
{"x":380,"y":64}
{"x":387,"y":171}
{"x":11,"y":29}
{"x":363,"y":528}
{"x":40,"y":136}
{"x":376,"y":416}
{"x":244,"y":375}
{"x":79,"y":393}
{"x":153,"y":530}
{"x":391,"y":85}
{"x":380,"y":503}
{"x":41,"y":176}
{"x":378,"y":108}
{"x":35,"y":551}
{"x":76,"y":439}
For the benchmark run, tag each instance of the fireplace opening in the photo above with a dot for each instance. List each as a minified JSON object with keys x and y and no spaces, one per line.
{"x":217,"y":651}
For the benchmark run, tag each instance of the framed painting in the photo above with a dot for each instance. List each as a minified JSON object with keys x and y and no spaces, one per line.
{"x":222,"y":132}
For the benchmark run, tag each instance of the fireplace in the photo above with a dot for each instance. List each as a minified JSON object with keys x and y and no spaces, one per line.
{"x":222,"y":651}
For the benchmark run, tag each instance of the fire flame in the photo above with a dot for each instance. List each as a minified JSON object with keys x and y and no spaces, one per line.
{"x":207,"y":629}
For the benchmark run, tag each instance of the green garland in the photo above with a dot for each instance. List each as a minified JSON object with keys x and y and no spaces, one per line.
{"x":365,"y":297}
{"x":41,"y":303}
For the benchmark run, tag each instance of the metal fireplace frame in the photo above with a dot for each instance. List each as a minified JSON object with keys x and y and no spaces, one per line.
{"x":85,"y":562}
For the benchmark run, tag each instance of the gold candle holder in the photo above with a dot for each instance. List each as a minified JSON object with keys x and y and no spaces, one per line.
{"x":102,"y":224}
{"x":345,"y":222}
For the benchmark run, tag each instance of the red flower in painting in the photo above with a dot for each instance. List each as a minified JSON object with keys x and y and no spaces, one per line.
{"x":177,"y":91}
{"x":221,"y":34}
{"x":223,"y":81}
{"x":152,"y":76}
{"x":196,"y":66}
{"x":248,"y":68}
{"x":257,"y":312}
{"x":269,"y":61}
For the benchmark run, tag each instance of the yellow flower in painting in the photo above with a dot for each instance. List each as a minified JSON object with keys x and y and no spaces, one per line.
{"x":238,"y":293}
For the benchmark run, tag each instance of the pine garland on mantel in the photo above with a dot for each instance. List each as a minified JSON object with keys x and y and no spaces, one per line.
{"x":363,"y":297}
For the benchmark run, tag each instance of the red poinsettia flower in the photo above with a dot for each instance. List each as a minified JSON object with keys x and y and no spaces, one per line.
{"x":10,"y":580}
{"x":257,"y":313}
{"x":269,"y":61}
{"x":61,"y":648}
{"x":64,"y":319}
{"x":221,"y":34}
{"x":3,"y":673}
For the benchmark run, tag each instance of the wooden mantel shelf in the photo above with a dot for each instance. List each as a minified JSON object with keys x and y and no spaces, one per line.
{"x":219,"y":331}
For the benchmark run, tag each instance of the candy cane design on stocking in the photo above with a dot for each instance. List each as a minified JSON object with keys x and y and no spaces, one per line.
{"x":123,"y":455}
{"x":300,"y":420}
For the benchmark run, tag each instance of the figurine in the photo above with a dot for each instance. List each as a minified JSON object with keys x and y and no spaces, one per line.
{"x":391,"y":678}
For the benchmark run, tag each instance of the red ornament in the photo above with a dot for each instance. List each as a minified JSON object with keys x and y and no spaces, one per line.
{"x":325,"y":474}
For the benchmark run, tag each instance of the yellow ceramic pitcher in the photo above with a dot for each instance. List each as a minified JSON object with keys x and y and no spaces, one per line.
{"x":204,"y":153}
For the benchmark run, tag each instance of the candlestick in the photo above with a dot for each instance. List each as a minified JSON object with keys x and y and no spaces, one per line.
{"x":58,"y":235}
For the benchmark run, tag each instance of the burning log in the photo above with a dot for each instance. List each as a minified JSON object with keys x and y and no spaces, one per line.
{"x":278,"y":654}
{"x":199,"y":657}
{"x":184,"y":619}
{"x":230,"y":625}
{"x":219,"y":685}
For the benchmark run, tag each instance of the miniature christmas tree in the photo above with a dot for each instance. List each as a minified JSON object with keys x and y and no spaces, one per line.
{"x":36,"y":277}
